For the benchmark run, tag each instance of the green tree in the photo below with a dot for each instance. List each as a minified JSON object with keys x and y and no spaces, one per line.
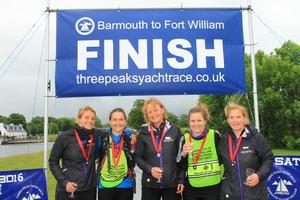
{"x":16,"y":118}
{"x":183,"y":121}
{"x":3,"y":119}
{"x":64,"y":123}
{"x":98,"y":123}
{"x":172,"y":118}
{"x":289,"y":52}
{"x":279,"y":95}
{"x":216,"y":104}
{"x":136,"y":116}
{"x":53,"y":128}
{"x":36,"y":126}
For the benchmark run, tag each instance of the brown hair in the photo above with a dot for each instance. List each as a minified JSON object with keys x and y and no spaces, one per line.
{"x":153,"y":100}
{"x":83,"y":110}
{"x":200,"y":108}
{"x":117,"y":110}
{"x":232,"y":106}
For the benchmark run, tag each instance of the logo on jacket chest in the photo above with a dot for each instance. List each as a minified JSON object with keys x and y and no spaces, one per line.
{"x":247,"y":150}
{"x":168,"y":139}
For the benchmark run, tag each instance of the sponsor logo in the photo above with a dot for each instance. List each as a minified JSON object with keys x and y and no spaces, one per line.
{"x":85,"y":26}
{"x":287,"y":161}
{"x":168,"y":139}
{"x":283,"y":185}
{"x":30,"y":192}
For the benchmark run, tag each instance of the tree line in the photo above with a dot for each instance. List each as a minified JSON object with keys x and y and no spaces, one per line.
{"x":278,"y":82}
{"x":36,"y":125}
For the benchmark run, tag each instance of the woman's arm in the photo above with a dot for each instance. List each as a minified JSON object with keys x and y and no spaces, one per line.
{"x":266,"y":157}
{"x":55,"y":156}
{"x":140,"y":154}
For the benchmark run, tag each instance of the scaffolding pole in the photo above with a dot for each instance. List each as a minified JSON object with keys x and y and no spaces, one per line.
{"x":253,"y":68}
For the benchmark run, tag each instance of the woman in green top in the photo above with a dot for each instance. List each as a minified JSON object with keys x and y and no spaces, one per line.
{"x":116,"y":180}
{"x":203,"y":171}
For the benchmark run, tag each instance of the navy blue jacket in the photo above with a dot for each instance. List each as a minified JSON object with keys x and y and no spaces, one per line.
{"x":254,"y":153}
{"x":146,"y":157}
{"x":73,"y":167}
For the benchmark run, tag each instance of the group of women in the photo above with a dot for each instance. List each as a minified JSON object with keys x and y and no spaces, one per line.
{"x":174,"y":165}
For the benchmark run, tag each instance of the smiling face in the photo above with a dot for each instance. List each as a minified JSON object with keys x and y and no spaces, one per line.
{"x":197,"y":123}
{"x":117,"y":122}
{"x":236,"y":121}
{"x":155,"y":114}
{"x":87,"y":119}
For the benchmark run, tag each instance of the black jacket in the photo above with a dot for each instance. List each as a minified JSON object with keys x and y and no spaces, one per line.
{"x":254,"y":153}
{"x":146,"y":157}
{"x":74,"y":167}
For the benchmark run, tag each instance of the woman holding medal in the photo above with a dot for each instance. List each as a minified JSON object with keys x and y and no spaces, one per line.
{"x":116,"y":180}
{"x":203,"y":174}
{"x":157,"y":149}
{"x":246,"y":156}
{"x":76,"y":148}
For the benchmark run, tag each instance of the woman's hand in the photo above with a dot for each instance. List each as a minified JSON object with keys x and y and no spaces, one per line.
{"x":133,"y":139}
{"x":252,"y":180}
{"x":156,"y":172}
{"x":187,"y":148}
{"x":180,"y":188}
{"x":71,"y":186}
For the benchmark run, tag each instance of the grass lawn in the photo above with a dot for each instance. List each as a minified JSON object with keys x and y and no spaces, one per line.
{"x":286,"y":152}
{"x":28,"y":161}
{"x":35,"y":160}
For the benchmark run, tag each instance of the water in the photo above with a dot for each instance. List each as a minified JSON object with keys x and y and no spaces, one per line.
{"x":15,"y":149}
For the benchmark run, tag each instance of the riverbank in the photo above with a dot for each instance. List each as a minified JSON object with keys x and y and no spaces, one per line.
{"x":25,"y":141}
{"x":38,"y":139}
{"x":27,"y":148}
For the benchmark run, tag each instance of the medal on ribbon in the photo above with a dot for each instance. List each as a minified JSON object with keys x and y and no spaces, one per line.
{"x":158,"y":146}
{"x":86,"y":156}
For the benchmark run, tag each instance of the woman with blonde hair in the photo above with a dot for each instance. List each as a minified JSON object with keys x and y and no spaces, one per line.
{"x":76,"y":149}
{"x":246,"y":155}
{"x":157,"y":149}
{"x":203,"y":169}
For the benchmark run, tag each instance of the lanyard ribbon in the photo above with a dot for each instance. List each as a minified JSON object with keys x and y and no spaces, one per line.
{"x":81,"y":146}
{"x":233,"y":154}
{"x":117,"y":156}
{"x":195,"y":161}
{"x":157,"y":147}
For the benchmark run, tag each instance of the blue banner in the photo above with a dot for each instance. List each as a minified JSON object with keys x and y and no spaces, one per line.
{"x":284,"y":181}
{"x":23,"y":185}
{"x":149,"y":52}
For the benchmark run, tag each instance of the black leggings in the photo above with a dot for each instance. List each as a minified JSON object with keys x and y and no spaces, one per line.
{"x":115,"y":194}
{"x":156,"y":194}
{"x":82,"y":195}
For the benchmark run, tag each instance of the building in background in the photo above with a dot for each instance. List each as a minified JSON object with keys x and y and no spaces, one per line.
{"x":12,"y":131}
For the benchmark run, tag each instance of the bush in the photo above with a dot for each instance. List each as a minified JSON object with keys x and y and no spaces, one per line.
{"x":291,"y":142}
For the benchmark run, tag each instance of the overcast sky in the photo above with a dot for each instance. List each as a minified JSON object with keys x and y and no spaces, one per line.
{"x":18,"y":82}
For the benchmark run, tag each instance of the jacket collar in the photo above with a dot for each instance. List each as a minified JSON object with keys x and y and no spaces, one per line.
{"x":83,"y":132}
{"x":164,"y":123}
{"x":245,"y":134}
